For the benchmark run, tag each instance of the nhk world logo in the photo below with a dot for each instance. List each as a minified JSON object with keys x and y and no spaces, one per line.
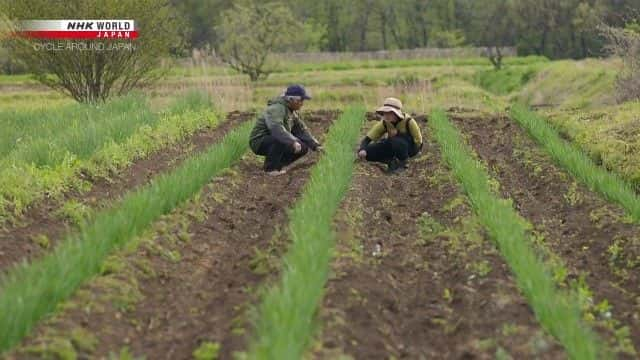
{"x":78,"y":29}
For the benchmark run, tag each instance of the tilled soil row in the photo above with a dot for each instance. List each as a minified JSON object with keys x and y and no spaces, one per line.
{"x":19,"y":242}
{"x":416,"y":277}
{"x":195,"y":280}
{"x":591,"y":236}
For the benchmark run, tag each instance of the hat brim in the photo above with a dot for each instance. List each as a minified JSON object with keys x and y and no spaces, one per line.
{"x":306,"y":97}
{"x":385,"y":109}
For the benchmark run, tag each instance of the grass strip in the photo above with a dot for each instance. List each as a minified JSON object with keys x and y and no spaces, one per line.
{"x":565,"y":154}
{"x":557,"y":311}
{"x":31,"y":291}
{"x":284,"y":321}
{"x":286,"y":65}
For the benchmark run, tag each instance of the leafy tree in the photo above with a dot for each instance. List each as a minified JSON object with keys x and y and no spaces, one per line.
{"x":253,"y":30}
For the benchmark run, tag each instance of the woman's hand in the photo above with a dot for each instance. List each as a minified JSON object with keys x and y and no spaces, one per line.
{"x":362,"y":154}
{"x":391,"y":129}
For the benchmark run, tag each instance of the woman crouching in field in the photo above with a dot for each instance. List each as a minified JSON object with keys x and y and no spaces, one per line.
{"x":403,"y":140}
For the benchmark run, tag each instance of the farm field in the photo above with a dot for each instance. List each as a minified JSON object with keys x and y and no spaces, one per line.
{"x":146,"y":228}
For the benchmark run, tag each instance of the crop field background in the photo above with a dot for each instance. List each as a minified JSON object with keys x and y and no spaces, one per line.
{"x":145,"y":227}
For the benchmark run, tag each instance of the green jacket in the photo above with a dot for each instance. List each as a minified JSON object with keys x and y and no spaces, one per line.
{"x":281,"y":123}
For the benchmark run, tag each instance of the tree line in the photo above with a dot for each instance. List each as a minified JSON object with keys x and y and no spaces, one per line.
{"x":552,"y":28}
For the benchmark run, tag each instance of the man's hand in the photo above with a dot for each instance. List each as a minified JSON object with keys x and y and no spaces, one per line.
{"x":362,"y":154}
{"x":320,"y":148}
{"x":297,"y":148}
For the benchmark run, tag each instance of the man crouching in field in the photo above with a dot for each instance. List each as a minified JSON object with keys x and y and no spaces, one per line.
{"x":280,"y":134}
{"x":403,"y":137}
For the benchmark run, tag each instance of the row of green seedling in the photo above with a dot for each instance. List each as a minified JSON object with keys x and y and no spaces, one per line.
{"x":30,"y":291}
{"x":558,"y":311}
{"x":284,"y":320}
{"x":568,"y":156}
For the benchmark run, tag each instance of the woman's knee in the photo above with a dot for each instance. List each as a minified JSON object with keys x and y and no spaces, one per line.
{"x":399,"y":144}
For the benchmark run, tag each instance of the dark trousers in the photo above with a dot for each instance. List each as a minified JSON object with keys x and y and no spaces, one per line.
{"x":400,"y":147}
{"x":278,"y":154}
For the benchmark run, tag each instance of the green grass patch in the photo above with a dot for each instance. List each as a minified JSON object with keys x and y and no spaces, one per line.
{"x":47,"y":163}
{"x":506,"y":80}
{"x":386,"y":64}
{"x":287,"y":66}
{"x":18,"y":79}
{"x":45,"y":137}
{"x":578,"y":164}
{"x":29,"y":292}
{"x":284,"y":321}
{"x":557,"y":311}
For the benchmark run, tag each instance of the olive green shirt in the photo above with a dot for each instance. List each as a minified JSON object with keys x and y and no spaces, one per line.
{"x":281,"y":123}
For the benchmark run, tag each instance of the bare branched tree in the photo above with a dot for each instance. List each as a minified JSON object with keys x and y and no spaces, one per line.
{"x":494,"y":26}
{"x":625,"y":43}
{"x":252,"y":31}
{"x":93,"y":70}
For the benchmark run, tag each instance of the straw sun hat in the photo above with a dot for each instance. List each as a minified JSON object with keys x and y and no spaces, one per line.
{"x":391,"y":105}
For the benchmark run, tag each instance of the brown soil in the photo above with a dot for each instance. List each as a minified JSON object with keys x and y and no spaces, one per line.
{"x":205,"y":294}
{"x":420,"y":298}
{"x":17,"y":241}
{"x":578,"y":225}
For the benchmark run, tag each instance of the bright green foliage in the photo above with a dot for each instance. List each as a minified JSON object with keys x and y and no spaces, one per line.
{"x":207,"y":351}
{"x":506,"y":80}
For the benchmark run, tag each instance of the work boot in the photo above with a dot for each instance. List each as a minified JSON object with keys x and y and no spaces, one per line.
{"x":395,"y":166}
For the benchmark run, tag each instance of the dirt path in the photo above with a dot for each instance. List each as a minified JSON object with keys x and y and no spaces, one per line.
{"x":195,"y":279}
{"x":590,"y":235}
{"x":415,"y":276}
{"x":19,"y":242}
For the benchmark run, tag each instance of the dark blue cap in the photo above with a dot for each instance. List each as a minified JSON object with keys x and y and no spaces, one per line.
{"x":297,"y":90}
